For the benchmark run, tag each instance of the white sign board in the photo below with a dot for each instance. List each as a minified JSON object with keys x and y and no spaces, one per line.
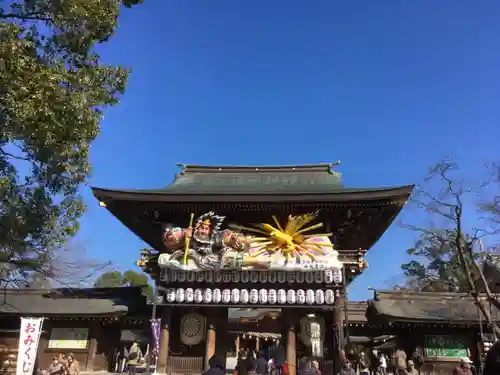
{"x":29,"y":337}
{"x":69,"y":338}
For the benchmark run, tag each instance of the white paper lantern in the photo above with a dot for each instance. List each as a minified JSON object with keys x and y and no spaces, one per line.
{"x":263,"y":296}
{"x":328,"y":276}
{"x":281,"y":296}
{"x":171,"y":295}
{"x":329,"y":297}
{"x":318,"y":277}
{"x":235,"y":276}
{"x":290,"y":277}
{"x":310,"y":296}
{"x":216,"y":295}
{"x":173,"y":275}
{"x":263,"y":277}
{"x":198,"y":295}
{"x":337,"y":276}
{"x":254,"y":277}
{"x":272,"y":277}
{"x":218,"y":276}
{"x":320,"y":297}
{"x":309,"y":277}
{"x":290,"y":296}
{"x":235,"y":295}
{"x":244,"y":296}
{"x":226,"y":276}
{"x":301,"y":296}
{"x":300,"y":277}
{"x":179,"y":295}
{"x":182,"y":276}
{"x":189,"y":295}
{"x":245,"y":276}
{"x":281,"y":277}
{"x":254,"y":296}
{"x":209,"y":276}
{"x":226,"y":296}
{"x":191,"y":276}
{"x":272,"y":296}
{"x":207,"y":295}
{"x":200,"y":277}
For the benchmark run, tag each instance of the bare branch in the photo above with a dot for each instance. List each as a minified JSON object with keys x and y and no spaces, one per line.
{"x":448,"y":249}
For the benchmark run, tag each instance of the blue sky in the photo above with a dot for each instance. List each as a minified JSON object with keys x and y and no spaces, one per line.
{"x":386,"y":87}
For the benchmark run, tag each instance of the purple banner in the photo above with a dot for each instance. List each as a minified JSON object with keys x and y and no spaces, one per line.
{"x":155,"y":329}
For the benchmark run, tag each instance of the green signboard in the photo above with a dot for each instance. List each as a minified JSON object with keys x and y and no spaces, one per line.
{"x":446,"y":346}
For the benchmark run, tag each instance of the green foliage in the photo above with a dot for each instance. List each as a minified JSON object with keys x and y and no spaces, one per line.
{"x":128,"y":278}
{"x":53,"y":89}
{"x":437,"y":265}
{"x":448,"y":255}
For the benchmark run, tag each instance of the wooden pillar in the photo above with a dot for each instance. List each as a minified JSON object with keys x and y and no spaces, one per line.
{"x":338,"y":331}
{"x":222,"y":329}
{"x":291,"y":355}
{"x":95,"y":332}
{"x":210,"y":344}
{"x":164,"y":340}
{"x":237,"y":344}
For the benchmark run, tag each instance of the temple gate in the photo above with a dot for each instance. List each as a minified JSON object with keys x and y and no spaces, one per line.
{"x":231,"y":237}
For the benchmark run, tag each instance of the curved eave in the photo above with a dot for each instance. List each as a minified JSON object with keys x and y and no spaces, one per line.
{"x":340,"y":196}
{"x":83,"y":315}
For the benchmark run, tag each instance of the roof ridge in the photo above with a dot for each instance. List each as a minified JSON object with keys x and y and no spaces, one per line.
{"x":193,"y":168}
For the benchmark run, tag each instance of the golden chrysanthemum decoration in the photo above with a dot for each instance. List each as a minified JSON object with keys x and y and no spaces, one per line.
{"x":291,"y":240}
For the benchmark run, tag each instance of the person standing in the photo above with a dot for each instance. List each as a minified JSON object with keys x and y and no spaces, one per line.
{"x":73,"y":367}
{"x":383,"y":363}
{"x":134,"y":356}
{"x":261,"y":367}
{"x":463,"y":368}
{"x":347,"y":369}
{"x":400,"y":361}
{"x":216,"y":366}
{"x":411,"y":368}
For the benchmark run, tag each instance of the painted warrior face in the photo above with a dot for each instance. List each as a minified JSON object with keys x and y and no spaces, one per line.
{"x":203,"y":232}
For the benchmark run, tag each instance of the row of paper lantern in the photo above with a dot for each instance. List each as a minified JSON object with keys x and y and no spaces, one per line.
{"x":326,"y":276}
{"x":253,"y":296}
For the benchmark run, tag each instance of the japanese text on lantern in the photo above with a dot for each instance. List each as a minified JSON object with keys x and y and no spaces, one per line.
{"x":28,"y":345}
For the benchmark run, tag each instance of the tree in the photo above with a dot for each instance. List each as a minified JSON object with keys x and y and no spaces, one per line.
{"x":53,"y":90}
{"x":452,"y":253}
{"x":128,"y":278}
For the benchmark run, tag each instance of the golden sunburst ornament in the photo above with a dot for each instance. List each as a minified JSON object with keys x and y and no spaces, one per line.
{"x":292,"y":240}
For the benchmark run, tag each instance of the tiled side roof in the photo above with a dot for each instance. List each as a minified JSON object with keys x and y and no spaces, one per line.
{"x":426,"y":307}
{"x":75,"y":302}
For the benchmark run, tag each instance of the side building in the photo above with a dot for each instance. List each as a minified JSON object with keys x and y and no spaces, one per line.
{"x":90,"y":323}
{"x":441,"y":328}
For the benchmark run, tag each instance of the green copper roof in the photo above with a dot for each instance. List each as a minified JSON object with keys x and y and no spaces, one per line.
{"x":255,"y":180}
{"x":222,"y":182}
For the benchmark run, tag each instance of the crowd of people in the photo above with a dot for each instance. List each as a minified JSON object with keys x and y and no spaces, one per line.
{"x":251,"y":363}
{"x":64,"y":365}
